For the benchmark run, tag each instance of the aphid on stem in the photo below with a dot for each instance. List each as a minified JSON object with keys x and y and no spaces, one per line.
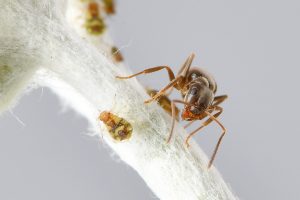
{"x":118,"y":127}
{"x":109,"y":6}
{"x":116,"y":53}
{"x":94,"y":23}
{"x":198,"y":92}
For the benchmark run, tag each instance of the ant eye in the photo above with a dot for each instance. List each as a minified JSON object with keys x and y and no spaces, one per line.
{"x":193,"y":91}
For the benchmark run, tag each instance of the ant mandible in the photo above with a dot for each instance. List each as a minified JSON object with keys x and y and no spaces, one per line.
{"x":198,"y":92}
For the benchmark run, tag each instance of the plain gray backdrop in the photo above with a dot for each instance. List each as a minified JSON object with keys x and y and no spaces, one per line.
{"x":252,"y":49}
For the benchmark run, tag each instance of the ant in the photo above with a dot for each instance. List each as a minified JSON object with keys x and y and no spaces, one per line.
{"x":198,"y":92}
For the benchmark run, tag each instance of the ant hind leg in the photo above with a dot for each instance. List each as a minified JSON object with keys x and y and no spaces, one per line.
{"x":151,"y":70}
{"x":219,"y":99}
{"x":186,"y":65}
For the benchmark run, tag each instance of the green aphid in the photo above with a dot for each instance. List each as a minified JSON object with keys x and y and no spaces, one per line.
{"x":94,"y":23}
{"x":95,"y":26}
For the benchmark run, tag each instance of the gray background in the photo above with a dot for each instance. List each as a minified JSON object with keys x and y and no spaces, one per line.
{"x":252,"y":49}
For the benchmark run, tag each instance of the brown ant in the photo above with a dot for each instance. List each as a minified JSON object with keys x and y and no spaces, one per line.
{"x":198,"y":92}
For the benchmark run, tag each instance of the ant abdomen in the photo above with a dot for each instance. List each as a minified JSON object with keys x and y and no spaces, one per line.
{"x":196,"y":73}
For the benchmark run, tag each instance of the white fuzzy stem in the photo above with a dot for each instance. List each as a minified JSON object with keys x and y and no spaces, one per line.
{"x":86,"y":78}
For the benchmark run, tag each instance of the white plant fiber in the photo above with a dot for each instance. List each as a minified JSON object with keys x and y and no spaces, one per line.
{"x":87,"y":79}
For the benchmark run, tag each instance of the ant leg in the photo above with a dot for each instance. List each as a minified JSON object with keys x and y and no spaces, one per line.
{"x":151,"y":70}
{"x":205,"y":123}
{"x":211,"y":110}
{"x":186,"y":65}
{"x":188,"y":124}
{"x":193,"y":133}
{"x":162,"y":91}
{"x":219,"y":99}
{"x":170,"y":92}
{"x":213,"y":117}
{"x":173,"y":117}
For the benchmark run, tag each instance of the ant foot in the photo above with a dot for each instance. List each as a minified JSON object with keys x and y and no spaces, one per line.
{"x":187,"y":144}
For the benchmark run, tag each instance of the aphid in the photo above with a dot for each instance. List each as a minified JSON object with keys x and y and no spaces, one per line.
{"x":117,"y":56}
{"x":198,"y":92}
{"x":119,"y":128}
{"x":109,"y":6}
{"x":164,"y":102}
{"x":94,"y":23}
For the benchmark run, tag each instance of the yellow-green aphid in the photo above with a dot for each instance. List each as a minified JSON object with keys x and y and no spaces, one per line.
{"x":118,"y":127}
{"x":116,"y":54}
{"x":109,"y":6}
{"x":94,"y":23}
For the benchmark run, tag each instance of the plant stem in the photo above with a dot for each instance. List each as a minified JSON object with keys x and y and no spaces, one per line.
{"x":86,"y":78}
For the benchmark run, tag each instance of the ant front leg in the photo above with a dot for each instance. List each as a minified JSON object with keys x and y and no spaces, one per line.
{"x":174,"y":117}
{"x":217,"y":100}
{"x":188,"y":124}
{"x":205,"y":123}
{"x":214,"y":117}
{"x":151,"y":70}
{"x":210,"y":110}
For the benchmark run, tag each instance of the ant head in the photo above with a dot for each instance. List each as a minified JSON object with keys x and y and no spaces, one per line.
{"x":199,"y":97}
